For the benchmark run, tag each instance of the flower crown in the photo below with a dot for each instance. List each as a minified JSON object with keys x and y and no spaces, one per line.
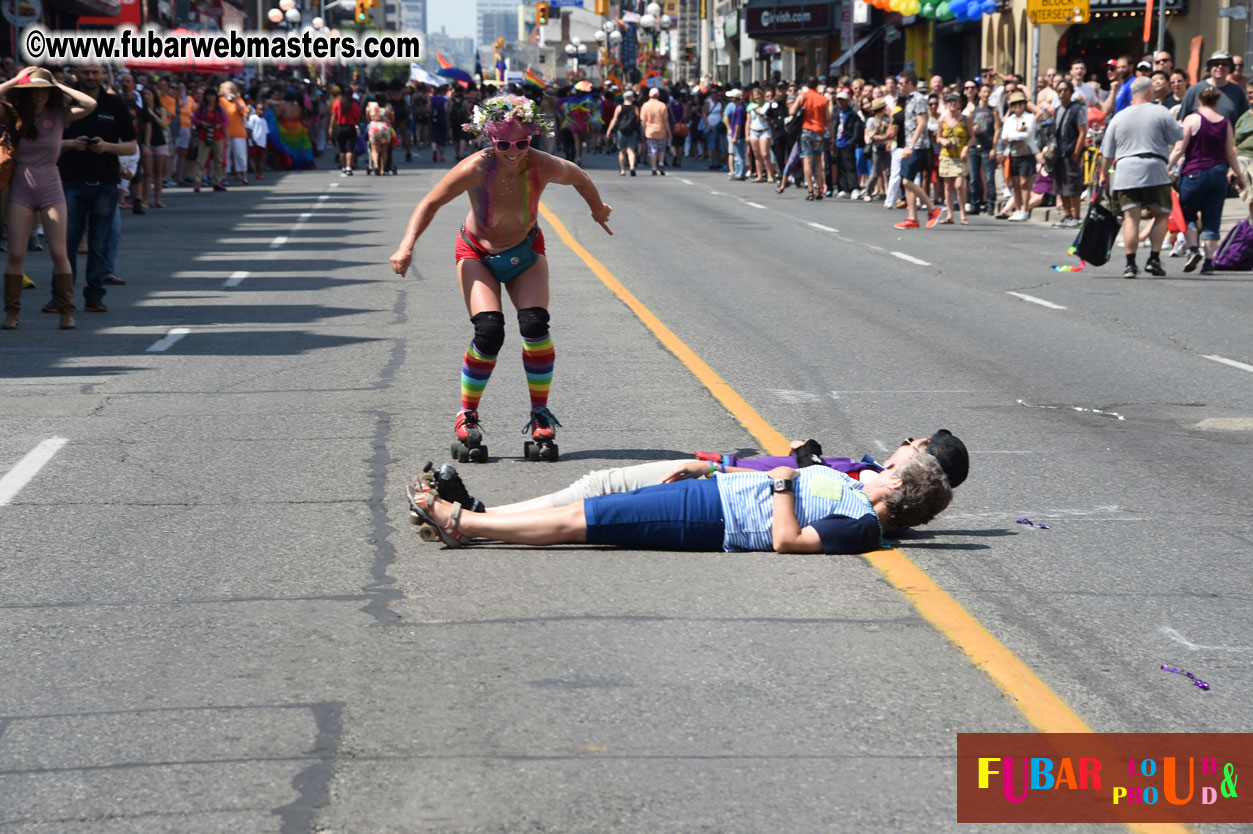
{"x":499,"y":109}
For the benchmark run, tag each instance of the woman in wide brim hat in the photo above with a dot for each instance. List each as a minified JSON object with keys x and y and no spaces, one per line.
{"x":44,"y":108}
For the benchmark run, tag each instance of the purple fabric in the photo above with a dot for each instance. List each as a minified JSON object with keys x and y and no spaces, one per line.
{"x":845,"y":465}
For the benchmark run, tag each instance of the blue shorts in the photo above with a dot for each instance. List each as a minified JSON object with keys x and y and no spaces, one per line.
{"x":813,"y":143}
{"x":915,"y":164}
{"x":686,"y":515}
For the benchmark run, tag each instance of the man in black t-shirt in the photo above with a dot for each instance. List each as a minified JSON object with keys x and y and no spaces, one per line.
{"x":90,"y":174}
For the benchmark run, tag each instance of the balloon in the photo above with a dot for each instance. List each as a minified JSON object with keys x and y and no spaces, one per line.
{"x":958,"y":9}
{"x":942,"y":11}
{"x":275,"y":16}
{"x":895,"y":5}
{"x":914,"y":7}
{"x":989,"y":6}
{"x":928,"y":9}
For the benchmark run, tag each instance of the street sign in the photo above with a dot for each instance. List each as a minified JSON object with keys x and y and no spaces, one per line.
{"x":559,"y":4}
{"x":1057,"y":12}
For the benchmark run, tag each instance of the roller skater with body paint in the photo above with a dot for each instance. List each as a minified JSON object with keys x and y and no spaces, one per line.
{"x":501,"y":245}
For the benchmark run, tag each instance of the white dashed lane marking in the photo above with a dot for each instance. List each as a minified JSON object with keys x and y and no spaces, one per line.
{"x":28,"y":467}
{"x":278,"y":241}
{"x":754,"y":205}
{"x":1224,"y":360}
{"x":911,"y":259}
{"x":165,"y":342}
{"x":1039,"y":301}
{"x":236,"y":279}
{"x":823,"y":228}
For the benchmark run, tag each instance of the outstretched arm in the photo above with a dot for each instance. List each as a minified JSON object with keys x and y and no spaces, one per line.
{"x":455,"y":182}
{"x":562,"y":172}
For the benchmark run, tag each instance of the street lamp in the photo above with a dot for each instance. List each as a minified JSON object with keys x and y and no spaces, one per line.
{"x":293,"y":16}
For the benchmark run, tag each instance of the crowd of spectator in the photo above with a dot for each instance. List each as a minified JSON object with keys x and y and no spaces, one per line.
{"x":942,"y":151}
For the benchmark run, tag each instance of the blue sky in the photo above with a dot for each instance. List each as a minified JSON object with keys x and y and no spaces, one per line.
{"x":456,"y":16}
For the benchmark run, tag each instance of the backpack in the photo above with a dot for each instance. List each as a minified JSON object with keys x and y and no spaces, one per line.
{"x":628,"y":119}
{"x":1236,"y":251}
{"x":457,"y":115}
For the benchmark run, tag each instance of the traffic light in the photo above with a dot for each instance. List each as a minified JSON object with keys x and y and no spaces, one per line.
{"x":602,"y":7}
{"x":541,"y":14}
{"x":363,"y":12}
{"x":689,"y":53}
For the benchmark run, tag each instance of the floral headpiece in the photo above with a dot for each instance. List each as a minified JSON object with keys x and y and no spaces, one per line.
{"x":501,"y":109}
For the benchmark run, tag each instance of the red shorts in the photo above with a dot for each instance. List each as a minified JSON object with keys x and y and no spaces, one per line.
{"x":461,"y":250}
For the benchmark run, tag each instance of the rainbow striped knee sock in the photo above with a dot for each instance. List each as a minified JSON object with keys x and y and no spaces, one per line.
{"x":537,"y":360}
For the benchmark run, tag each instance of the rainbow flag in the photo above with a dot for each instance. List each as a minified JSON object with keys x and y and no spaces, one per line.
{"x":532,"y":78}
{"x":290,"y":140}
{"x":612,"y":78}
{"x":579,"y":113}
{"x":443,"y":62}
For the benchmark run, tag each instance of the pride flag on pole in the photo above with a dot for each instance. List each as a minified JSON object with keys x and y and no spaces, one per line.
{"x":532,"y":78}
{"x":443,"y":62}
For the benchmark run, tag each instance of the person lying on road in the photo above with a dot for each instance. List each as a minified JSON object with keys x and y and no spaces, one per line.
{"x":815,"y":510}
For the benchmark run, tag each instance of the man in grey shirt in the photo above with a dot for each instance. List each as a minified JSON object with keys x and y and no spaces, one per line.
{"x":1138,"y":141}
{"x":1233,"y":102}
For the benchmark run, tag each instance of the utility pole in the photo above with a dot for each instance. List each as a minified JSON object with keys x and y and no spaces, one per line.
{"x":706,"y":58}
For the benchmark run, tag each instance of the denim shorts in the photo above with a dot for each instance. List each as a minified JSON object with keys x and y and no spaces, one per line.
{"x":915,"y":164}
{"x":1204,"y":193}
{"x":812,"y":142}
{"x":685,"y":515}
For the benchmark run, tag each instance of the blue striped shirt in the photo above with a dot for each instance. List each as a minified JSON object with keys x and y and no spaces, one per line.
{"x":748,"y":505}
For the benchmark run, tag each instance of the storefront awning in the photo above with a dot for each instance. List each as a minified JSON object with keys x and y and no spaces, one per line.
{"x":848,"y":56}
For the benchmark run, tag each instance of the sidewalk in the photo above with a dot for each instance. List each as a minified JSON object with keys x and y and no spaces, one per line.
{"x":1234,"y":210}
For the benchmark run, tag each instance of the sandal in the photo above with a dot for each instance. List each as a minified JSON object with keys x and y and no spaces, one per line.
{"x":422,"y":506}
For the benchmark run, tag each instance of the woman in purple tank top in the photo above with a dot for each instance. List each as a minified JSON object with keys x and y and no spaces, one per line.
{"x":43,"y":107}
{"x":1208,"y":151}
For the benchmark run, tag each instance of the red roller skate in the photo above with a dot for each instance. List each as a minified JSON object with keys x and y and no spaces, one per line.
{"x":543,"y":442}
{"x":468,"y":447}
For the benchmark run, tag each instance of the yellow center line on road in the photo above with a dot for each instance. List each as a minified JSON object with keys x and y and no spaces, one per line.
{"x":1034,"y":698}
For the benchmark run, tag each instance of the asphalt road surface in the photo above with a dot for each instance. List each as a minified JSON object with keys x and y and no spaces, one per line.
{"x":215,"y":617}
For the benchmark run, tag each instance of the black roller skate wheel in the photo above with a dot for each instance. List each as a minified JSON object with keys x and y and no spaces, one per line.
{"x":549,"y":453}
{"x":476,"y":455}
{"x":526,"y":449}
{"x":531,"y":450}
{"x":457,"y":450}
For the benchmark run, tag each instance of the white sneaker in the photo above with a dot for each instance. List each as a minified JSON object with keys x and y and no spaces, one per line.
{"x":1180,"y":248}
{"x":1019,"y":216}
{"x":856,"y":195}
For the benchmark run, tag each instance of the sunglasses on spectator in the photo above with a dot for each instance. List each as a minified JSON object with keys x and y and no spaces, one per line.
{"x":506,"y":145}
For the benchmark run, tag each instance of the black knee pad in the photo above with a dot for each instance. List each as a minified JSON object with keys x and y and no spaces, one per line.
{"x":533,"y":322}
{"x":489,"y":332}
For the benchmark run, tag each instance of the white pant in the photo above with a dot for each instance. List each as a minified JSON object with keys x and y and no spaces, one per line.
{"x":612,"y":481}
{"x":894,"y":178}
{"x":237,"y":156}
